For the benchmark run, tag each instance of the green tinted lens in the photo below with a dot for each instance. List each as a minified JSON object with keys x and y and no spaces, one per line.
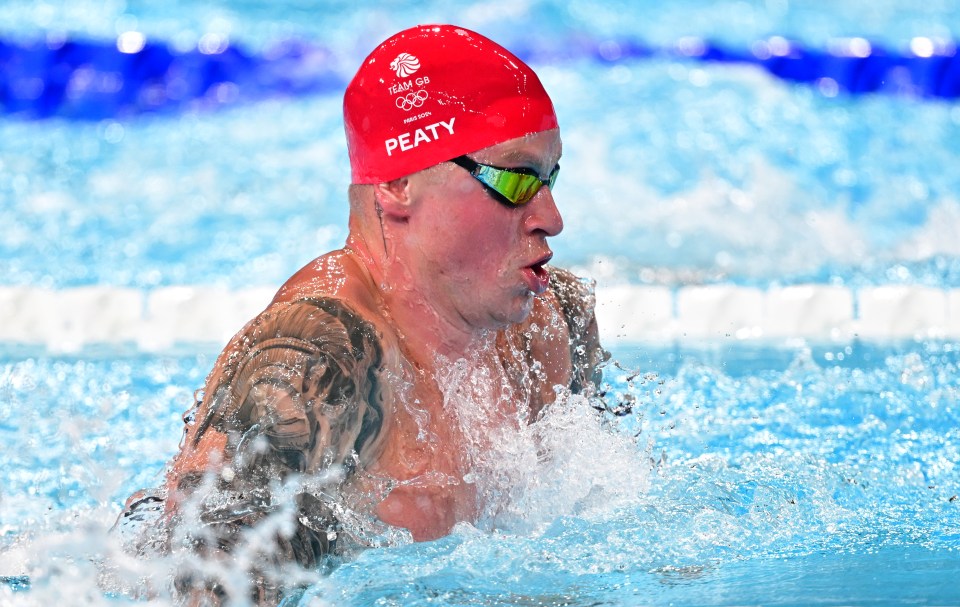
{"x":512,"y":187}
{"x":518,"y":188}
{"x":553,"y":176}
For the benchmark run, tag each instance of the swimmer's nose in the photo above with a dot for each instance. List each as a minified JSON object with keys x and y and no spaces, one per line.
{"x":543,"y":215}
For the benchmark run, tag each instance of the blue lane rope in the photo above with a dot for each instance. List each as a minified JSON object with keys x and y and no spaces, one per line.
{"x":95,"y":80}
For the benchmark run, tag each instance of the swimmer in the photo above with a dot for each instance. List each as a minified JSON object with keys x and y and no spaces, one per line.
{"x":327,"y":404}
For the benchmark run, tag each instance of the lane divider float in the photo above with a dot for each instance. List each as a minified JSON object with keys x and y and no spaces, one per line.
{"x":70,"y":319}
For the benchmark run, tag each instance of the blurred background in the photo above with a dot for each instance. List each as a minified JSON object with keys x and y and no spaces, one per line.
{"x":149,"y":144}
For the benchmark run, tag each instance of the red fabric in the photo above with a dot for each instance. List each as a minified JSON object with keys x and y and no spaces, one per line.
{"x":434,"y":92}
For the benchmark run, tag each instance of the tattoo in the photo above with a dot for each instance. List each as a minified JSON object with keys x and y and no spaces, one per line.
{"x":307,"y":378}
{"x":297,"y":392}
{"x":577,"y":302}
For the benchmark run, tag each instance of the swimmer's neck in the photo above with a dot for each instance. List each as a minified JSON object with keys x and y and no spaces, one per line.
{"x":423,"y":329}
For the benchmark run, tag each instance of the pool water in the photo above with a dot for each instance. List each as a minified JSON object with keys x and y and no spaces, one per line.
{"x":741,"y":477}
{"x":785,"y":472}
{"x":680,"y":171}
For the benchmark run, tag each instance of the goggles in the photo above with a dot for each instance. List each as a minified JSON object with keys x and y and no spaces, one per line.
{"x":513,"y":187}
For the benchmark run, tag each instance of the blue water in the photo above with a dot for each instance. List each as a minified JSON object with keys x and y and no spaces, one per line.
{"x":745,"y":474}
{"x":676,"y":172}
{"x":785,"y":476}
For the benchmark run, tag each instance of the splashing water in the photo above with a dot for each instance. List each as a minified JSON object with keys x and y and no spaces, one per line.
{"x":733,"y":464}
{"x":571,"y":461}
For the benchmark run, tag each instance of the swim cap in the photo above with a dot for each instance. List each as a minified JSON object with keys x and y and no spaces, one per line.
{"x":435,"y":92}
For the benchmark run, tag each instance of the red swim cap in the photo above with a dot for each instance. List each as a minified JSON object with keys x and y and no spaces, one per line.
{"x":435,"y":92}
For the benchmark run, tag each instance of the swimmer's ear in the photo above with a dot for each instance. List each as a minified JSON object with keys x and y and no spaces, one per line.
{"x":393,"y":198}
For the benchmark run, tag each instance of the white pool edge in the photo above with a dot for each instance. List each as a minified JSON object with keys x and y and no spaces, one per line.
{"x":69,"y":319}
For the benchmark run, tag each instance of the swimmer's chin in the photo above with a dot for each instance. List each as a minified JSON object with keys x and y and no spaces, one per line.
{"x":520,"y":308}
{"x":524,"y":310}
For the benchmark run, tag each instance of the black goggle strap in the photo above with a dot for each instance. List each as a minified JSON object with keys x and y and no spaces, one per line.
{"x":511,"y":186}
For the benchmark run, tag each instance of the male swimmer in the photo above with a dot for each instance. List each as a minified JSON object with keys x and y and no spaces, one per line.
{"x":327,"y":405}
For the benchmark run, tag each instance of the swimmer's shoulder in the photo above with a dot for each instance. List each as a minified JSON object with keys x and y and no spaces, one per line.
{"x":336,"y":277}
{"x":574,"y":299}
{"x":574,"y":295}
{"x":569,"y":301}
{"x":560,"y":335}
{"x":311,"y":349}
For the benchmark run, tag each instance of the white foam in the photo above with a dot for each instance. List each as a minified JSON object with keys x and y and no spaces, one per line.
{"x":65,"y":320}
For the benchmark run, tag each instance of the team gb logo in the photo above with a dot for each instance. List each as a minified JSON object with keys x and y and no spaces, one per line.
{"x":405,"y":64}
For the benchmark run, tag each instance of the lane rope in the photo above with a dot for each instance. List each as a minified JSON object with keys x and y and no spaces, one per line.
{"x":90,"y":80}
{"x":72,"y":318}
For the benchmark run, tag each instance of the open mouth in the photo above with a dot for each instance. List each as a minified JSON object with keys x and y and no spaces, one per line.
{"x":539,"y":270}
{"x":538,"y":278}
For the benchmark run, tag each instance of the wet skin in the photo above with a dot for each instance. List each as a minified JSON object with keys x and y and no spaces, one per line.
{"x":340,"y":371}
{"x":436,"y":496}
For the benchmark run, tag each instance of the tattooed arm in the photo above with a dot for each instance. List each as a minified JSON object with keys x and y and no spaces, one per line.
{"x":577,"y":303}
{"x":296,"y":399}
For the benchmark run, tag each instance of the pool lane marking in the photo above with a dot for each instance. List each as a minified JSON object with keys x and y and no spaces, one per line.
{"x":83,"y":79}
{"x":68,"y":319}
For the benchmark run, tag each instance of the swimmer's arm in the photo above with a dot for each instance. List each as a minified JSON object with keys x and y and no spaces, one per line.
{"x":577,"y":303}
{"x":306,"y":372}
{"x":297,"y":392}
{"x":587,"y":367}
{"x":203,"y":449}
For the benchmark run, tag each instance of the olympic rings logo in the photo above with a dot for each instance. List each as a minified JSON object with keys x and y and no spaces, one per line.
{"x":411,"y":100}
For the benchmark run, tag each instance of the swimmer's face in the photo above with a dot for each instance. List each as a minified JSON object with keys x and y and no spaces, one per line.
{"x":483,"y":260}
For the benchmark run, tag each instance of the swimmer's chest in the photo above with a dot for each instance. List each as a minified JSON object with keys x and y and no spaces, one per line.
{"x":425,"y":452}
{"x":424,"y":458}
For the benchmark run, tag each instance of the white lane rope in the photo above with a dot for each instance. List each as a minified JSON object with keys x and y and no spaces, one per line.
{"x":72,"y":318}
